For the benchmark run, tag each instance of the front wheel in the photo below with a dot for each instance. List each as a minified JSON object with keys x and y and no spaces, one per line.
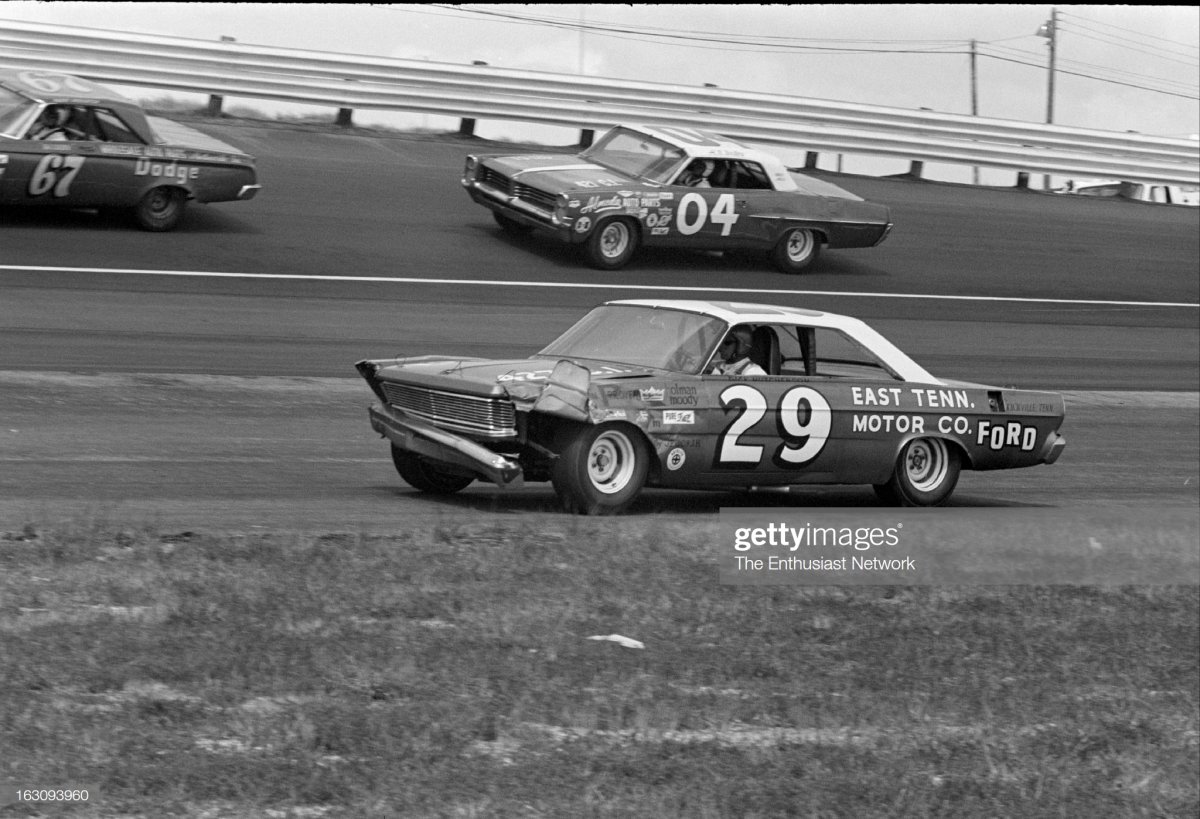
{"x":925,"y":475}
{"x":160,"y":209}
{"x":601,"y":470}
{"x":426,"y":476}
{"x":611,"y":244}
{"x":796,"y":250}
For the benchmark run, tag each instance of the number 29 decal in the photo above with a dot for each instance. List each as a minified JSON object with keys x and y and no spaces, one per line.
{"x":803,"y":421}
{"x":54,"y":174}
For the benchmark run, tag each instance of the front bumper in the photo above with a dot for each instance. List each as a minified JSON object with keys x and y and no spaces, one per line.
{"x":522,"y":212}
{"x":428,"y":441}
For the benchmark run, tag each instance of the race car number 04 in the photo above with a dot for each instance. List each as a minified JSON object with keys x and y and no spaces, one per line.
{"x":722,"y":214}
{"x":54,"y":171}
{"x":803,"y":421}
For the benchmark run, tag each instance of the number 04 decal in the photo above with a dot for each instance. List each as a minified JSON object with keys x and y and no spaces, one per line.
{"x":723,"y":214}
{"x":803,"y":422}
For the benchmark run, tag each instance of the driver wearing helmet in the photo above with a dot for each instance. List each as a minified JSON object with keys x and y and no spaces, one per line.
{"x":696,"y":174}
{"x":52,"y":124}
{"x":733,"y":356}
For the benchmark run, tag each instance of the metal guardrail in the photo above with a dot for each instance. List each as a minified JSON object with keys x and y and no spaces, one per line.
{"x":351,"y":82}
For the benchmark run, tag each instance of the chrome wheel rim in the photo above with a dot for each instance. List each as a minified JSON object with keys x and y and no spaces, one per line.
{"x":926,"y":463}
{"x":614,"y":239}
{"x":800,"y":245}
{"x":610,"y":462}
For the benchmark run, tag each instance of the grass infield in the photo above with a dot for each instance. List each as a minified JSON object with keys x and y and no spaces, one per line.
{"x":448,"y":673}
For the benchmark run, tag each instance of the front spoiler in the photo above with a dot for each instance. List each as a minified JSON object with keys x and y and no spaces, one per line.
{"x":428,"y":441}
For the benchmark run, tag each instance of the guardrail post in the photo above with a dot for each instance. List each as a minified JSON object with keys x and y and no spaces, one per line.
{"x":810,"y":160}
{"x":1023,"y":180}
{"x":344,"y":116}
{"x":586,"y":137}
{"x":215,"y":101}
{"x":916,"y":168}
{"x":466,"y":126}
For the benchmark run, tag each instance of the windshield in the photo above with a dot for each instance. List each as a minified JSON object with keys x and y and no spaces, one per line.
{"x":643,"y":336}
{"x":13,"y":109}
{"x":636,"y":154}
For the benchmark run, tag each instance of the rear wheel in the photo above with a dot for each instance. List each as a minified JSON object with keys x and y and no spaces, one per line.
{"x":511,"y":225}
{"x":160,"y":209}
{"x":796,"y":250}
{"x":925,"y":475}
{"x":611,"y":244}
{"x":601,"y":470}
{"x":427,"y":476}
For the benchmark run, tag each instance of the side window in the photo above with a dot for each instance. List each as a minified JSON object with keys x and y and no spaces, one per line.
{"x":750,"y":176}
{"x":111,"y":129}
{"x":825,"y":353}
{"x":723,"y":175}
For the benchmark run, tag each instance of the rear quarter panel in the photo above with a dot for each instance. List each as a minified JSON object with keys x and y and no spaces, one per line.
{"x":774,"y":430}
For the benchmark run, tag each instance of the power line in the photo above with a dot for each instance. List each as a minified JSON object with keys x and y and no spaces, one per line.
{"x":1126,"y":32}
{"x":723,"y":41}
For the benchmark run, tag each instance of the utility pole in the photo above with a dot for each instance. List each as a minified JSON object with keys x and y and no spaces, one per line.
{"x":1049,"y":30}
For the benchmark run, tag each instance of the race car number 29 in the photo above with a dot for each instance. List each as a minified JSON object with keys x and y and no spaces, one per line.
{"x":802,"y":420}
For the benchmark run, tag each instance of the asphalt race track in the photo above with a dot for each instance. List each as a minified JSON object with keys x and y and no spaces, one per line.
{"x":204,"y":377}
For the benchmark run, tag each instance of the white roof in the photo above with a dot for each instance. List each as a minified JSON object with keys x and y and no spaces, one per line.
{"x":700,"y":144}
{"x":732,"y":312}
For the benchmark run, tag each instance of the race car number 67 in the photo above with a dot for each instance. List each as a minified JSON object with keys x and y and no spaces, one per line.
{"x":54,"y":171}
{"x":803,"y":421}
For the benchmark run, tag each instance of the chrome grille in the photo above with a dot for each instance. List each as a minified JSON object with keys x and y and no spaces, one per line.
{"x":535,"y":197}
{"x":502,"y":184}
{"x":489,"y":417}
{"x":493,"y":179}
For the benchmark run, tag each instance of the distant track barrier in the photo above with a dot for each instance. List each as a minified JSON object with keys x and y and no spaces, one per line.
{"x":482,"y":92}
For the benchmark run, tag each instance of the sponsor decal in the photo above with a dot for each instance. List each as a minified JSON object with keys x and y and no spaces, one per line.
{"x":583,"y":224}
{"x":659,"y":231}
{"x":170,"y":170}
{"x":889,"y":423}
{"x":598,"y":203}
{"x":1013,"y":433}
{"x":660,"y":219}
{"x":3,"y":162}
{"x":995,"y":436}
{"x":534,"y":375}
{"x":602,"y":415}
{"x":655,"y":394}
{"x":682,"y":396}
{"x":642,"y":417}
{"x":681,"y":417}
{"x":922,"y":398}
{"x":676,"y":458}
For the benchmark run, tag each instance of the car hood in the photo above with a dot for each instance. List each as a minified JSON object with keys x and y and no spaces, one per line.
{"x":489,"y":377}
{"x":559,"y":172}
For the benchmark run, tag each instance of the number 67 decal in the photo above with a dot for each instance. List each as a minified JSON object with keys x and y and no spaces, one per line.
{"x":54,"y":171}
{"x":803,"y":422}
